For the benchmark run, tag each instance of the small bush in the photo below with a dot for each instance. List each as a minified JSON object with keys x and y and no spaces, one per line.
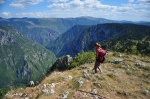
{"x":1,"y":93}
{"x":80,"y":59}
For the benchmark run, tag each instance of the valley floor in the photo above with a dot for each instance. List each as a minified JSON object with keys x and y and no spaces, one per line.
{"x":124,"y":77}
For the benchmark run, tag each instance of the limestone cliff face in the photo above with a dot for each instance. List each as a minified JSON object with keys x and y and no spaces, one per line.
{"x":65,"y":38}
{"x":84,"y":39}
{"x":121,"y":37}
{"x":62,"y":63}
{"x":21,"y":59}
{"x":6,"y":36}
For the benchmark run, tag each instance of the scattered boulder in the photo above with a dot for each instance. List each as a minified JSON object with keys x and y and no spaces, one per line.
{"x":52,"y":91}
{"x":65,"y":95}
{"x":145,"y":92}
{"x":31,"y":83}
{"x":80,"y":82}
{"x":116,"y":61}
{"x":48,"y":92}
{"x":94,"y":91}
{"x":138,"y":64}
{"x":69,"y":77}
{"x":86,"y":75}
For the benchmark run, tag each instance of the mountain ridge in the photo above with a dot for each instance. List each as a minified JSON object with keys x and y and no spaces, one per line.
{"x":45,"y":30}
{"x":21,"y":59}
{"x":65,"y":38}
{"x":85,"y":39}
{"x":48,"y":29}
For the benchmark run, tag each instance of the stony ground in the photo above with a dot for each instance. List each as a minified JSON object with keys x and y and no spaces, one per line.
{"x":124,"y":77}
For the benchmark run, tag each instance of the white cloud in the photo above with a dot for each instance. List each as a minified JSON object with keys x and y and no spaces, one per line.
{"x":95,"y":8}
{"x":17,"y":5}
{"x":75,"y":8}
{"x":6,"y":14}
{"x":144,"y":2}
{"x":77,"y":4}
{"x":58,"y":1}
{"x":130,"y":0}
{"x":24,"y":3}
{"x":66,"y":5}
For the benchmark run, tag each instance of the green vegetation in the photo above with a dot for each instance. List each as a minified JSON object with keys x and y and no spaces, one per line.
{"x":134,"y":39}
{"x":21,"y":59}
{"x":82,"y":58}
{"x":1,"y":93}
{"x":111,"y":75}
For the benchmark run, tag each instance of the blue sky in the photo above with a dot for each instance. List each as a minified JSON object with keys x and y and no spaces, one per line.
{"x":132,"y":10}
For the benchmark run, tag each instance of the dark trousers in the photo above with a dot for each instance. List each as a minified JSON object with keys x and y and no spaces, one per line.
{"x":96,"y":65}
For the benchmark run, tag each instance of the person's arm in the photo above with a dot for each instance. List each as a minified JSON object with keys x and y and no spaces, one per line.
{"x":97,"y":52}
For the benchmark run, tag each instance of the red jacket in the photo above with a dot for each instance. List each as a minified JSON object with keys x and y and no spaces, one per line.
{"x":100,"y":53}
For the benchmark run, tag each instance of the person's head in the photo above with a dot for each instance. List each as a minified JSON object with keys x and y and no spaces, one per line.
{"x":97,"y":45}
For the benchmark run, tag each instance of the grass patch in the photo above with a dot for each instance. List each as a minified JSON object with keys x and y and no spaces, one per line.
{"x":100,"y":85}
{"x":129,"y":72}
{"x":111,"y":75}
{"x":145,"y":68}
{"x":73,"y":84}
{"x":55,"y":80}
{"x":124,"y":93}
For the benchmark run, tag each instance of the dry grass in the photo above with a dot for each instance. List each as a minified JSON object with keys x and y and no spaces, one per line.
{"x":119,"y":81}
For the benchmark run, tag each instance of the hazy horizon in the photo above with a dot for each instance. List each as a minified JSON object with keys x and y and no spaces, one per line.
{"x":129,"y":10}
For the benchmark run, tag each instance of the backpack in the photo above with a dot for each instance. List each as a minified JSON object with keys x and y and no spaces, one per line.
{"x":101,"y":55}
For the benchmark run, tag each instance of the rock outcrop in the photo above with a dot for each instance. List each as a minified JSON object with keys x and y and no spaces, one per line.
{"x":62,"y":63}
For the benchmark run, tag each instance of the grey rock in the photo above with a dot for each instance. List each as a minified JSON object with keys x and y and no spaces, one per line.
{"x":48,"y":92}
{"x":80,"y":82}
{"x":94,"y":91}
{"x":69,"y":77}
{"x":62,"y":63}
{"x":31,"y":83}
{"x":51,"y":91}
{"x":86,"y":75}
{"x":65,"y":95}
{"x":145,"y":92}
{"x":117,"y":61}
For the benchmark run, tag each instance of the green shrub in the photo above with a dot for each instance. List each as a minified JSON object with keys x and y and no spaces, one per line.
{"x":82,"y":58}
{"x":1,"y":93}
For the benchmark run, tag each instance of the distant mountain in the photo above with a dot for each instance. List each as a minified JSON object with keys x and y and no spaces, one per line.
{"x":21,"y":59}
{"x":133,"y":39}
{"x":116,"y":37}
{"x":65,"y":38}
{"x":143,"y":23}
{"x":31,"y":28}
{"x":45,"y":30}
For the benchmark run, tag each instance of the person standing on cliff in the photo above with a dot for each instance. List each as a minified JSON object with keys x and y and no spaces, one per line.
{"x":97,"y":62}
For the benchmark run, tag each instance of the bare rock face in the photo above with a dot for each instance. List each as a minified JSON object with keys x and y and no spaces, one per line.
{"x":62,"y":63}
{"x":6,"y":36}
